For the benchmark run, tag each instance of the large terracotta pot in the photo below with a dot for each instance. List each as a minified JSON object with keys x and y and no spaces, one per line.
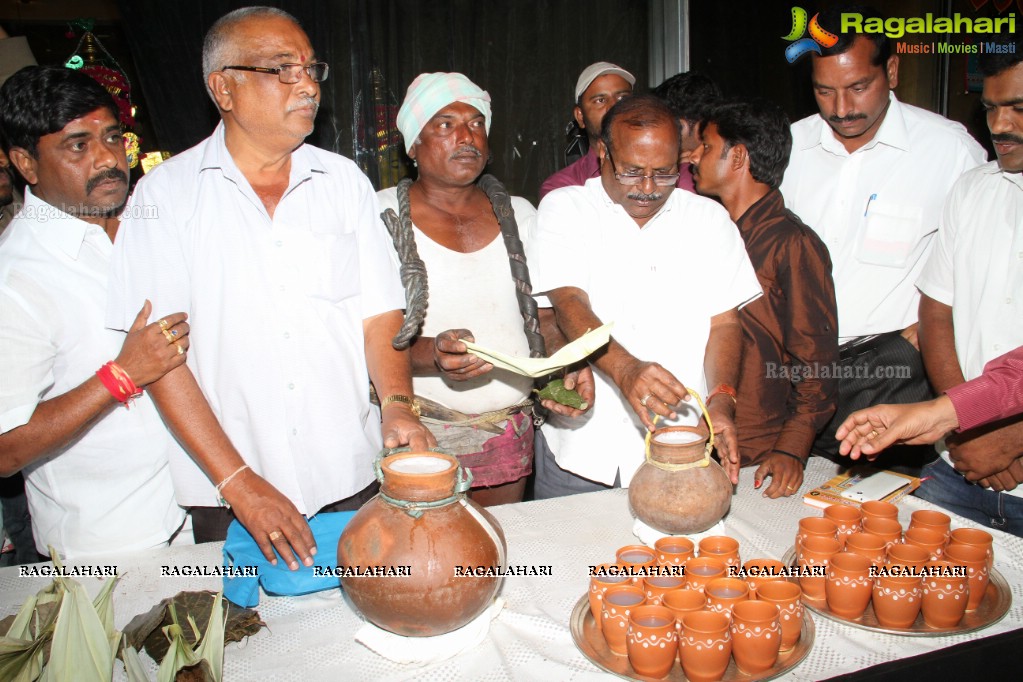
{"x":679,"y":489}
{"x":422,"y":519}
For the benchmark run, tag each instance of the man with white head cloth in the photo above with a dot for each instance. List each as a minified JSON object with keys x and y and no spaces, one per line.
{"x":275,"y":250}
{"x":453,"y":218}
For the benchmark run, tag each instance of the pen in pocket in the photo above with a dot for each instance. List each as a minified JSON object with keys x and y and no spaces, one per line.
{"x":867,"y":208}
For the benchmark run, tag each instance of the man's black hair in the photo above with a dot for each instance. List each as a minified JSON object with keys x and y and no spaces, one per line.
{"x":639,"y":111}
{"x":690,"y":95}
{"x":993,"y":63}
{"x":831,"y":21}
{"x":40,"y":100}
{"x":762,"y":127}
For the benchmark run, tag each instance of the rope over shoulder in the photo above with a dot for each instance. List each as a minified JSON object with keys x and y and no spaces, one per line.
{"x":413,"y":269}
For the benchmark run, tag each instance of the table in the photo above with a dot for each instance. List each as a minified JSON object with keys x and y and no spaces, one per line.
{"x":310,"y":638}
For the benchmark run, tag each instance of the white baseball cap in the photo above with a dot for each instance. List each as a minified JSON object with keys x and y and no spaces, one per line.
{"x":595,"y":71}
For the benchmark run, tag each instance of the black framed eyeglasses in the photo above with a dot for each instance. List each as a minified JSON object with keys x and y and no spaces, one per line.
{"x":632,"y":179}
{"x":290,"y":73}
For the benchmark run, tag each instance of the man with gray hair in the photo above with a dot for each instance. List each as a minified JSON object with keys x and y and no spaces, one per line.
{"x":275,"y":250}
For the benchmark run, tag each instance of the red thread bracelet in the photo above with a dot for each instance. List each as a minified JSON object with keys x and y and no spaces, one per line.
{"x":117,"y":381}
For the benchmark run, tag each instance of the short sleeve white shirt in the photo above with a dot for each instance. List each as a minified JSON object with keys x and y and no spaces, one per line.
{"x":110,"y":490}
{"x":660,"y":284}
{"x":474,"y":291}
{"x":976,"y":267}
{"x":275,"y":305}
{"x":877,"y":209}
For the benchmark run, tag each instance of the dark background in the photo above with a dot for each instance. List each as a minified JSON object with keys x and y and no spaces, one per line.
{"x":527,"y":54}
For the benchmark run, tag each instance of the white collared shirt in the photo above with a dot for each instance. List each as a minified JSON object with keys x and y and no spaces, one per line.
{"x":276,"y":308}
{"x":110,"y":490}
{"x":977,"y":268}
{"x":659,"y":284}
{"x":877,"y":209}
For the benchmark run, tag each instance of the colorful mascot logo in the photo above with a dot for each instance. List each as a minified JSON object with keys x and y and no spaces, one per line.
{"x":818,"y":36}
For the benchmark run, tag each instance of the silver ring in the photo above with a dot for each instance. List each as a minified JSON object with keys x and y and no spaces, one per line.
{"x":648,"y":396}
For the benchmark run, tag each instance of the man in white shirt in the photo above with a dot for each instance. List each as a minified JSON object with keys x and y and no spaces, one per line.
{"x":96,"y":475}
{"x":669,"y":268}
{"x":276,"y":251}
{"x":869,"y":174}
{"x":972,"y":307}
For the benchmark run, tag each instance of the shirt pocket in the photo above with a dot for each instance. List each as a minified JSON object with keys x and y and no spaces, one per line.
{"x":891,"y":234}
{"x":327,"y":264}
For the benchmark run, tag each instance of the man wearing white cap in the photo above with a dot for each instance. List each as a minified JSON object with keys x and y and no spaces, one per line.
{"x":275,"y":250}
{"x":454,"y":218}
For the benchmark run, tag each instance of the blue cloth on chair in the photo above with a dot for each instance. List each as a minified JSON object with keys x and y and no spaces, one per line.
{"x":241,"y":550}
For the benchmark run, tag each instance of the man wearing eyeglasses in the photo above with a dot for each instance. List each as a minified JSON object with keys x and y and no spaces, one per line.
{"x":669,"y":269}
{"x":275,"y":250}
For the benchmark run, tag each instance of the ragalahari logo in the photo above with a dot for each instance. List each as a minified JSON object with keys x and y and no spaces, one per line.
{"x":818,"y":36}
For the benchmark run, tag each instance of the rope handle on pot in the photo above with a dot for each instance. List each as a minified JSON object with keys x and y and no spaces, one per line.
{"x":706,"y":451}
{"x":463,"y":481}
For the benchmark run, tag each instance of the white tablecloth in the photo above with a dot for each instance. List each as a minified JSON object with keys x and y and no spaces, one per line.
{"x":311,"y":637}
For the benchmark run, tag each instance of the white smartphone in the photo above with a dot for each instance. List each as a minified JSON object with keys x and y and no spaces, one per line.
{"x":875,"y":487}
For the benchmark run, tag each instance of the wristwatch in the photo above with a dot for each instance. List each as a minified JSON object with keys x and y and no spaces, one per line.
{"x":412,"y":403}
{"x":727,"y":390}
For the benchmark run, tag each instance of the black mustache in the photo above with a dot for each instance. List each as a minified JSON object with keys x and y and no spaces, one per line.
{"x":846,"y":119}
{"x":639,"y":196}
{"x":1006,"y":137}
{"x":112,"y":174}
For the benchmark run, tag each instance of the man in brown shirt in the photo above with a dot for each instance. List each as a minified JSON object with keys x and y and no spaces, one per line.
{"x":787,"y":386}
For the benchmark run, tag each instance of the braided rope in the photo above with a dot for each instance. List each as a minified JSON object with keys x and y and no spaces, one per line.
{"x":413,"y":269}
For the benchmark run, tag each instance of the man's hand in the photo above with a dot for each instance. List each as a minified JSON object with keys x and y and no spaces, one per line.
{"x":581,"y":381}
{"x":726,"y":440}
{"x":871,"y":430}
{"x":650,"y":388}
{"x":454,"y":359}
{"x":147,"y":354}
{"x":1006,"y":480}
{"x":785,"y":472}
{"x":984,"y":452}
{"x":271,"y":519}
{"x":401,"y":427}
{"x":910,"y":334}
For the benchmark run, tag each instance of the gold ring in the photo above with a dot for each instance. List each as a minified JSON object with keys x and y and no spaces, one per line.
{"x":167,"y":335}
{"x":648,"y":396}
{"x":181,"y":351}
{"x":275,"y":535}
{"x":163,"y":324}
{"x":873,"y":434}
{"x":792,"y":487}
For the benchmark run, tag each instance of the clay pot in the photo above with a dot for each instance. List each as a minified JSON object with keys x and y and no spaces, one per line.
{"x":932,"y":520}
{"x":849,"y":584}
{"x":725,"y":593}
{"x":974,"y":536}
{"x":600,"y":583}
{"x":702,"y":570}
{"x":721,"y":547}
{"x":868,"y":545}
{"x":909,"y":556}
{"x":945,"y":597}
{"x":674,"y":550}
{"x":656,"y":586}
{"x":682,"y":602}
{"x":787,"y":597}
{"x":760,"y":571}
{"x":816,"y":526}
{"x":848,"y":519}
{"x":974,"y":558}
{"x":619,"y":602}
{"x":756,"y":636}
{"x":652,"y":641}
{"x":931,"y":540}
{"x":704,"y":646}
{"x":897,"y":600}
{"x":679,"y":489}
{"x":637,"y":558}
{"x":815,"y":553}
{"x":881,"y":510}
{"x":446,"y":531}
{"x":888,"y":529}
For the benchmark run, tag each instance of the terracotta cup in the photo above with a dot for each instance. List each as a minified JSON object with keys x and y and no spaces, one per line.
{"x":619,"y":602}
{"x":849,"y":584}
{"x":932,"y":520}
{"x":889,"y":529}
{"x":974,"y":558}
{"x":682,"y":602}
{"x":705,"y":646}
{"x":868,"y":545}
{"x":974,"y":536}
{"x":786,"y":596}
{"x":756,"y":636}
{"x":931,"y":540}
{"x":759,"y":571}
{"x":599,"y":584}
{"x":655,"y":586}
{"x":878,"y":509}
{"x":945,"y":596}
{"x":910,"y":556}
{"x":702,"y":570}
{"x":724,"y":593}
{"x":815,"y":526}
{"x":721,"y":547}
{"x":848,"y":519}
{"x":637,"y":558}
{"x":674,"y":550}
{"x":897,"y":600}
{"x":652,"y":641}
{"x":815,"y":555}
